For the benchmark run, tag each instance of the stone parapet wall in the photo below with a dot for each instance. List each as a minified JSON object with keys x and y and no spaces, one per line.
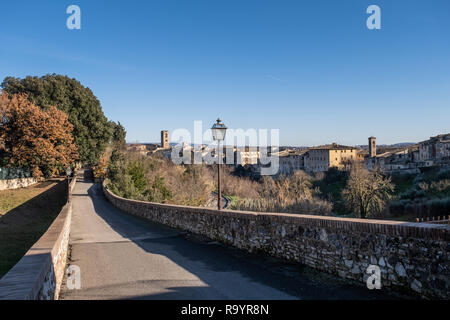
{"x":17,"y":183}
{"x":411,"y":256}
{"x":39,"y":274}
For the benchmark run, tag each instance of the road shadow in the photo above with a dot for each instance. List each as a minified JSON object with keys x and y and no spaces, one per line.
{"x":18,"y":282}
{"x":87,"y":175}
{"x":204,"y":258}
{"x":22,"y":226}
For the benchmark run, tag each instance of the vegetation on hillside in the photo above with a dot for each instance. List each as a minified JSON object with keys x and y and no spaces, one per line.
{"x":159,"y":180}
{"x":293,"y":194}
{"x":367,"y":192}
{"x":357,"y":193}
{"x":424,"y":195}
{"x":331,"y":184}
{"x":153,"y":179}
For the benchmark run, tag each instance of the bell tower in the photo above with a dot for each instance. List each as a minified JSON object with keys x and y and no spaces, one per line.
{"x":372,"y":147}
{"x":165,"y":139}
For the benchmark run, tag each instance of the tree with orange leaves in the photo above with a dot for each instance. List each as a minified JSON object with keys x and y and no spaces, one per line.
{"x":33,"y":137}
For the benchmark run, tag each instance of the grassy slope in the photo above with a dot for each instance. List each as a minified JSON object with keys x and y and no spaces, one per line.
{"x":25,"y":214}
{"x":402,"y":183}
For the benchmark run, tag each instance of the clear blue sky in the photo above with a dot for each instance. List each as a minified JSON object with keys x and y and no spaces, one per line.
{"x":310,"y":68}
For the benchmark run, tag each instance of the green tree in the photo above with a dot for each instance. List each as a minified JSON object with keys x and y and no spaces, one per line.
{"x":137,"y":172}
{"x":367,"y":192}
{"x":117,"y":165}
{"x":118,"y":135}
{"x":159,"y":191}
{"x":91,"y":130}
{"x":126,"y":178}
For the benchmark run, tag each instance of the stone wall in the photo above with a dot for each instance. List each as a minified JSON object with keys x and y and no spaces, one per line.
{"x":17,"y":183}
{"x":411,"y":256}
{"x":39,"y":274}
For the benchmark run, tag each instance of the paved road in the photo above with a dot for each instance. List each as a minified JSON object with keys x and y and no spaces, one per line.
{"x":125,"y":257}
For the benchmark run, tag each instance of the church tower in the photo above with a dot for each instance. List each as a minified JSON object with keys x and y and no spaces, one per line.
{"x":372,"y":147}
{"x":165,"y":139}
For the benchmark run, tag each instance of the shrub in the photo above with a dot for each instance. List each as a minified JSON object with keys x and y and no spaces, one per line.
{"x":157,"y":179}
{"x":420,"y":207}
{"x":367,"y":193}
{"x":300,"y":206}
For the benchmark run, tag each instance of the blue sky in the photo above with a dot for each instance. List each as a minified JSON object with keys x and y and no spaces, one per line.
{"x":309,"y":68}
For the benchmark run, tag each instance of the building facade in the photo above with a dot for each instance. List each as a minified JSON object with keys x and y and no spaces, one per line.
{"x":291,"y":162}
{"x":320,"y":159}
{"x":246,"y":156}
{"x":436,"y":148}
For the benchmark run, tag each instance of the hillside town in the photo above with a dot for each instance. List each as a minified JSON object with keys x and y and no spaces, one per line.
{"x":329,"y":178}
{"x":390,"y":159}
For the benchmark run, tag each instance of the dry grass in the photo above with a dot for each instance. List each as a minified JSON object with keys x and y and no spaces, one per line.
{"x":10,"y":199}
{"x":291,"y":194}
{"x":194,"y":184}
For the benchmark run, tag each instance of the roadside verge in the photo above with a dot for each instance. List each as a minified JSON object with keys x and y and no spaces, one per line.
{"x":38,"y":275}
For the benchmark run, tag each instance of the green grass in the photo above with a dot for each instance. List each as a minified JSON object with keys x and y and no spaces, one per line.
{"x":25,"y":215}
{"x":231,"y":200}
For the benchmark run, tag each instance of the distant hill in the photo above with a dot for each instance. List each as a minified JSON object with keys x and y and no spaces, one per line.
{"x":389,"y":146}
{"x":402,"y":145}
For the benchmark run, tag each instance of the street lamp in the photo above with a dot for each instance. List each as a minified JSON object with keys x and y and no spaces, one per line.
{"x":218,"y":131}
{"x":68,"y":172}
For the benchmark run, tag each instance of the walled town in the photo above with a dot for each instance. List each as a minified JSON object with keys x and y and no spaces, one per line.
{"x":390,"y":159}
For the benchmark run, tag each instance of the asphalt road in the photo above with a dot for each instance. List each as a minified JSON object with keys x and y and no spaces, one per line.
{"x":125,"y":257}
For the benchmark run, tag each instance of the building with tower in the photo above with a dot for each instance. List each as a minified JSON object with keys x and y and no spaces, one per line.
{"x":372,"y":147}
{"x":165,"y":139}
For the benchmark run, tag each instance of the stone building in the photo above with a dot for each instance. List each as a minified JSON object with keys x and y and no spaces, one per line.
{"x":142,"y":148}
{"x":246,"y":156}
{"x":432,"y":152}
{"x":291,"y":161}
{"x":361,"y":155}
{"x":321,"y":158}
{"x":165,"y":139}
{"x":436,"y":148}
{"x":396,"y":159}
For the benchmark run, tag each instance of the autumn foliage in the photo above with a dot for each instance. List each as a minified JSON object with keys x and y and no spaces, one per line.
{"x":101,"y":167}
{"x":40,"y":139}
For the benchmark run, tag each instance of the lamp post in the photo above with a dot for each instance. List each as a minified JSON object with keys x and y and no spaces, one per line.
{"x":68,"y":173}
{"x":218,"y":131}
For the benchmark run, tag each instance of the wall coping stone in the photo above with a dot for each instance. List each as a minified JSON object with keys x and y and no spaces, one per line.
{"x":26,"y":279}
{"x":388,"y":227}
{"x":411,"y":256}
